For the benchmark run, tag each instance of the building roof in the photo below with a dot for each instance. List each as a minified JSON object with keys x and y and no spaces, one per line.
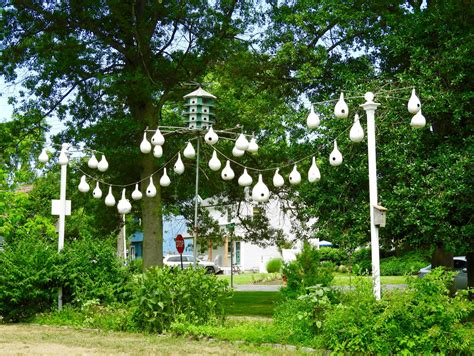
{"x":137,"y":236}
{"x":200,"y":92}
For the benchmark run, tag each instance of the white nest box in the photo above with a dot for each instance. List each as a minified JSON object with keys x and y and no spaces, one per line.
{"x":200,"y":109}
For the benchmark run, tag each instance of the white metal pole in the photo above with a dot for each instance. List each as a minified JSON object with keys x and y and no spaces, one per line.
{"x":62,"y":219}
{"x":369,"y":106}
{"x":124,"y":238}
{"x":196,"y":203}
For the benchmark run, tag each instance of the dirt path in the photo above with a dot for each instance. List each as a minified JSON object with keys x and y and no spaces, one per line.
{"x":25,"y":339}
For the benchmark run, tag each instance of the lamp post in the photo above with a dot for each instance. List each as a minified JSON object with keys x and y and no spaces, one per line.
{"x":370,"y":106}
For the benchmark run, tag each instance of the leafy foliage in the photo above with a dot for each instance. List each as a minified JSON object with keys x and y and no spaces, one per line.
{"x":304,"y":272}
{"x":163,"y":296}
{"x":274,"y":265}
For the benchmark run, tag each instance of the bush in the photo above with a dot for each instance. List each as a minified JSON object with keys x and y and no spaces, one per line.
{"x":27,"y":284}
{"x":90,"y":270}
{"x":421,"y":319}
{"x":163,"y":296}
{"x":334,"y":255}
{"x":274,"y":265}
{"x":305,"y":272}
{"x":401,"y":266}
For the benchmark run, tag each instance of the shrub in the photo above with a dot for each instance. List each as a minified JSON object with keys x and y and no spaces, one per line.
{"x":274,"y":265}
{"x":27,"y":283}
{"x":90,"y":270}
{"x":305,"y":272}
{"x":421,"y":319}
{"x":403,"y":265}
{"x":163,"y":296}
{"x":334,"y":255}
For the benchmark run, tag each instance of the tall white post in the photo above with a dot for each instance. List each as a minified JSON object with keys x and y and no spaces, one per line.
{"x":62,"y":211}
{"x":196,"y":204}
{"x":369,"y":106}
{"x":124,"y":238}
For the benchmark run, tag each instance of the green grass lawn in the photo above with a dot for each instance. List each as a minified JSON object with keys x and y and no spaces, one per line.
{"x":252,"y":303}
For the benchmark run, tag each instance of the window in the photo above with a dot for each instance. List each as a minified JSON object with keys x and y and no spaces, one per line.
{"x":459,"y":264}
{"x":174,"y":259}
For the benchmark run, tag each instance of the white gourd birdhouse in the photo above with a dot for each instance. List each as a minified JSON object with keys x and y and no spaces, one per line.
{"x":313,"y":174}
{"x":227,"y":173}
{"x":335,"y":158}
{"x":253,"y":146}
{"x":63,"y":160}
{"x":245,"y":179}
{"x":242,"y":143}
{"x":211,"y":137}
{"x":103,"y":165}
{"x":124,"y":206}
{"x":158,"y":138}
{"x":151,"y":189}
{"x":341,"y":110}
{"x":380,"y":215}
{"x":357,"y":132}
{"x":189,"y":151}
{"x":43,"y":157}
{"x":278,"y":180}
{"x":200,"y":109}
{"x":110,"y":199}
{"x":260,"y":192}
{"x":92,"y":162}
{"x":145,"y":145}
{"x":83,"y":185}
{"x":418,"y":121}
{"x":237,"y":153}
{"x":165,"y":180}
{"x":97,"y":192}
{"x":137,"y":194}
{"x":295,"y":176}
{"x":414,"y":104}
{"x":179,"y":165}
{"x":158,"y":151}
{"x":214,"y":162}
{"x":312,"y":121}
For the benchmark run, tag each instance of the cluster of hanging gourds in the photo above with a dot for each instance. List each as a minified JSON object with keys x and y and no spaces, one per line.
{"x":260,"y":192}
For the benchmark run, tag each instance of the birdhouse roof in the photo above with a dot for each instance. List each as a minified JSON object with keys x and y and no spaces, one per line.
{"x":200,"y":92}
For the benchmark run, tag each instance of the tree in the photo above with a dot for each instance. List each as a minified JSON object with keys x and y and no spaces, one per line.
{"x":108,"y":68}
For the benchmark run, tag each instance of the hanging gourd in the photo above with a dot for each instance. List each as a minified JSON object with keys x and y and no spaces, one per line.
{"x":137,"y":194}
{"x":63,"y":160}
{"x":151,"y":189}
{"x":214,"y":162}
{"x":158,"y":151}
{"x":124,"y":206}
{"x":418,"y":121}
{"x":295,"y":176}
{"x":145,"y":146}
{"x":211,"y":137}
{"x":92,"y":162}
{"x":103,"y":164}
{"x":414,"y":104}
{"x":242,"y":143}
{"x":110,"y":199}
{"x":189,"y":151}
{"x":83,"y":185}
{"x":179,"y":166}
{"x":237,"y":153}
{"x":260,"y":192}
{"x":253,"y":146}
{"x":278,"y":180}
{"x":357,"y":132}
{"x":43,"y":157}
{"x":97,"y":193}
{"x":227,"y":173}
{"x":245,"y":179}
{"x":158,"y":138}
{"x":313,"y":174}
{"x":312,"y":121}
{"x":335,"y":158}
{"x":165,"y":180}
{"x":341,"y":110}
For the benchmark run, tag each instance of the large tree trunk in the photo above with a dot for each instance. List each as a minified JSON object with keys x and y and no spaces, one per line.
{"x":152,"y":218}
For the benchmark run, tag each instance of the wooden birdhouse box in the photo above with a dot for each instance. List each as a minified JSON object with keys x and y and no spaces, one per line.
{"x":200,"y":109}
{"x":380,"y":215}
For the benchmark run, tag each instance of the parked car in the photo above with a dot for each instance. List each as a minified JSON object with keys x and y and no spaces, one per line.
{"x":188,"y":261}
{"x":460,"y":266}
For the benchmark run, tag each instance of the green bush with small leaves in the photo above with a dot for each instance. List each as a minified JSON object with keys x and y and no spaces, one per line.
{"x":274,"y":265}
{"x":163,"y":296}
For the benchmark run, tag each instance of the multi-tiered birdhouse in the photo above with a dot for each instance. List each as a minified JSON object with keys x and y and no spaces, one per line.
{"x":200,"y":109}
